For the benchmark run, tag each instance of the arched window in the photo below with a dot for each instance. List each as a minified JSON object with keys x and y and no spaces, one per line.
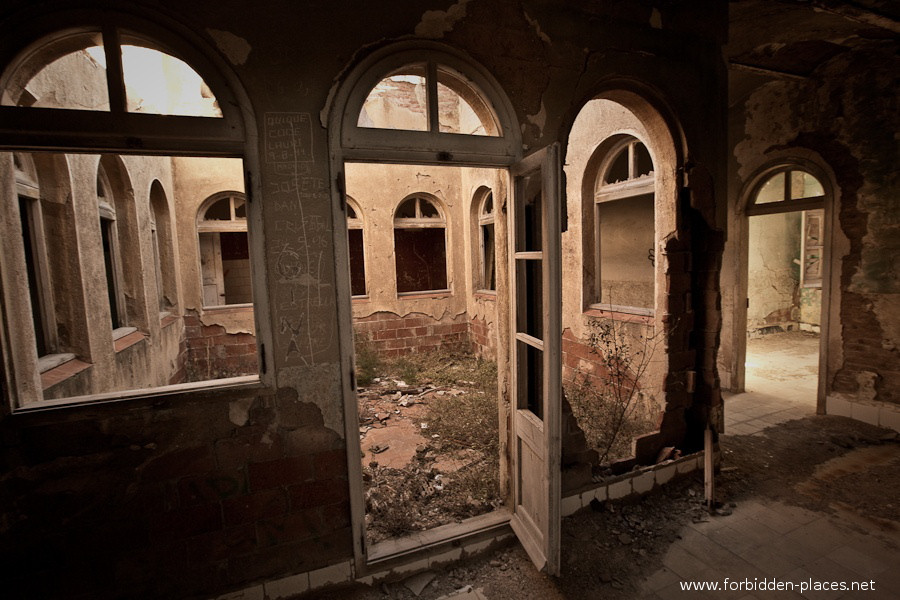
{"x":624,"y":215}
{"x":71,"y":73}
{"x":425,"y":103}
{"x":420,"y":247}
{"x":486,"y":275}
{"x":163,"y":249}
{"x":428,"y":97}
{"x":224,"y":250}
{"x":112,"y":262}
{"x":102,"y":108}
{"x":356,"y":240}
{"x":796,"y":190}
{"x":36,"y":259}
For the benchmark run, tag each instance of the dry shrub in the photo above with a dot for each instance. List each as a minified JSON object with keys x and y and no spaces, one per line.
{"x":616,"y":405}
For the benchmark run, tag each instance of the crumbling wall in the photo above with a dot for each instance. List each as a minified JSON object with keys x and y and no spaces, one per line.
{"x":843,"y":119}
{"x":773,"y":276}
{"x":201,"y":494}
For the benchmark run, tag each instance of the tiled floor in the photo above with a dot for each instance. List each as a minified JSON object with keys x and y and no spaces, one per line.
{"x":773,"y":542}
{"x":762,"y":543}
{"x":781,"y":383}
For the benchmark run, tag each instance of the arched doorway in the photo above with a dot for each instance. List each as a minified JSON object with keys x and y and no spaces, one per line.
{"x":785,"y":274}
{"x":421,"y":122}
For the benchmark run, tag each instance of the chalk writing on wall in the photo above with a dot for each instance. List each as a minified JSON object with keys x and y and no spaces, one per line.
{"x":288,"y":139}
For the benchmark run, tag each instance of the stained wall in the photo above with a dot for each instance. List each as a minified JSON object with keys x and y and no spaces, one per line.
{"x":198,"y":494}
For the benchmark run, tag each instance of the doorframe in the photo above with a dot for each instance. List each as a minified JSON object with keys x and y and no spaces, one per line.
{"x":745,"y":210}
{"x":348,"y":143}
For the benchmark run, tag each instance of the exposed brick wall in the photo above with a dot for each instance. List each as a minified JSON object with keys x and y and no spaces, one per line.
{"x":212,"y":353}
{"x":169,"y":498}
{"x":578,"y":359}
{"x":392,"y":335}
{"x":483,"y":338}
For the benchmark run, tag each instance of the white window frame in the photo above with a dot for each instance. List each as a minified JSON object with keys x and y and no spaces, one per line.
{"x":634,"y":185}
{"x":422,"y":222}
{"x":234,"y":224}
{"x":485,"y":219}
{"x":358,"y":224}
{"x":32,"y":129}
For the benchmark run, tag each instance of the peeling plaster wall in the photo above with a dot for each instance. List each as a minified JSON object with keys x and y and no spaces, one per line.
{"x":201,"y":494}
{"x":845,"y":119}
{"x":774,"y":277}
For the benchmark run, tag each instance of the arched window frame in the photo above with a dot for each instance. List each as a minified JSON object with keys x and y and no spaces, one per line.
{"x":485,"y":282}
{"x":432,"y":145}
{"x":786,"y":203}
{"x":33,"y":129}
{"x":420,"y":221}
{"x":355,"y":222}
{"x":636,"y":184}
{"x":116,"y":129}
{"x":234,"y":224}
{"x":163,"y":242}
{"x":811,"y":208}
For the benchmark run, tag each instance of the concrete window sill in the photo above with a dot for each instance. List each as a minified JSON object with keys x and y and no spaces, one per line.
{"x":628,"y":315}
{"x":62,"y":372}
{"x":129,"y":340}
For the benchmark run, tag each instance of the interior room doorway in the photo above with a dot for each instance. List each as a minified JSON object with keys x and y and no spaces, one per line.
{"x":786,"y":268}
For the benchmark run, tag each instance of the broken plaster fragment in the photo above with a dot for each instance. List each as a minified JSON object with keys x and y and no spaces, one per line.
{"x":235,"y":48}
{"x":435,"y":23}
{"x":239,"y":411}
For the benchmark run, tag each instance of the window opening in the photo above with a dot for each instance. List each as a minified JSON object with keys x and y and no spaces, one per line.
{"x":399,"y":101}
{"x":420,"y":246}
{"x":62,"y":74}
{"x":71,"y":72}
{"x":32,"y":256}
{"x":103,"y":262}
{"x":357,"y":249}
{"x":403,"y":100}
{"x":111,"y":254}
{"x":487,"y":244}
{"x":789,"y":185}
{"x":625,"y":233}
{"x":224,"y":250}
{"x":163,"y":249}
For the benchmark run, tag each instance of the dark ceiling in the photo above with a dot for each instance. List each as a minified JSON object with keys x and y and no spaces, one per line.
{"x":791,"y":38}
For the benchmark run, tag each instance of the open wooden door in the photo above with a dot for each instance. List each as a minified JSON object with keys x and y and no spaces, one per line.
{"x":536,"y":300}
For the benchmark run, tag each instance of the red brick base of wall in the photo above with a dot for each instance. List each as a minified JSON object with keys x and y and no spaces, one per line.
{"x":483,"y":339}
{"x":579,"y":361}
{"x":392,"y":335}
{"x":212,"y":353}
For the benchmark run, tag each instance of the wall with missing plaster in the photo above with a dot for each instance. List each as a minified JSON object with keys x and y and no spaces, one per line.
{"x":840,"y":120}
{"x":200,"y":494}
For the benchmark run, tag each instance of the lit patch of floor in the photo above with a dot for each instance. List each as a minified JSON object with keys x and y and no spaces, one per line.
{"x":781,"y":382}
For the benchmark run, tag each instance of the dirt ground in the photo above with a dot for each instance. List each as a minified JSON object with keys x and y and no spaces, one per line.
{"x":823,"y":463}
{"x":430,"y":450}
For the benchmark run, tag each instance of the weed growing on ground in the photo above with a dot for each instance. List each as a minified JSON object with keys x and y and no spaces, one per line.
{"x":368,"y":363}
{"x":462,"y":426}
